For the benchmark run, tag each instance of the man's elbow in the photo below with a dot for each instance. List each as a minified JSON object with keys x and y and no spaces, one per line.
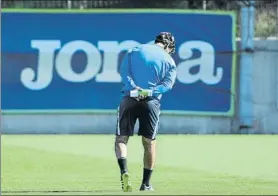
{"x":169,"y":87}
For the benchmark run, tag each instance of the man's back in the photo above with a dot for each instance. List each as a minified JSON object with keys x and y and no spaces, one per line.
{"x":148,"y":65}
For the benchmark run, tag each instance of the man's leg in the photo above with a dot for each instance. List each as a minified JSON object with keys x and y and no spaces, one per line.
{"x":149,"y":120}
{"x":121,"y":152}
{"x":125,"y":124}
{"x":149,"y":159}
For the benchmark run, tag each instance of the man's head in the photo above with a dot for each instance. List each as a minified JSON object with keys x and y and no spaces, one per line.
{"x":167,"y":40}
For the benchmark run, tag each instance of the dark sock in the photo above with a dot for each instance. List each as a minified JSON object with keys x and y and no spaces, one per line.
{"x":147,"y":176}
{"x":122,"y":165}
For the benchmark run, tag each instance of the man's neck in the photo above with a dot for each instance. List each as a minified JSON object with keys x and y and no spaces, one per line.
{"x":160,"y":44}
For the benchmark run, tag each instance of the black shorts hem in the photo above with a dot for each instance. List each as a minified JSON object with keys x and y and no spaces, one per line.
{"x":147,"y":136}
{"x":129,"y":135}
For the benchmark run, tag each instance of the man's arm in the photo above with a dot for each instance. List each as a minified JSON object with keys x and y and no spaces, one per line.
{"x":167,"y":82}
{"x":125,"y":72}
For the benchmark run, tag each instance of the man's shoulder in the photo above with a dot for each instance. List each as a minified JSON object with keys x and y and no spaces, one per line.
{"x":172,"y":61}
{"x":135,"y":48}
{"x":143,"y":49}
{"x":159,"y":53}
{"x":149,"y":46}
{"x":168,"y":59}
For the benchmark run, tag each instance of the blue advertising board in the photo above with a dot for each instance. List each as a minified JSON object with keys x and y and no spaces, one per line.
{"x":62,"y":61}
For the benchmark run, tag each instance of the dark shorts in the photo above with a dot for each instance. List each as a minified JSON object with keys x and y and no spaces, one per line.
{"x":146,"y":111}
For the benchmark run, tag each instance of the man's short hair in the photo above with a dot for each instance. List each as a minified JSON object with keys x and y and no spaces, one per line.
{"x":167,"y":39}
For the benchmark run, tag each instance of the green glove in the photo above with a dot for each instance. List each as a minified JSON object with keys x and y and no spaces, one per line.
{"x":144,"y":92}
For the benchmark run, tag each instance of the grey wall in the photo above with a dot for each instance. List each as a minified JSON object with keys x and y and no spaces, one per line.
{"x":265,"y":83}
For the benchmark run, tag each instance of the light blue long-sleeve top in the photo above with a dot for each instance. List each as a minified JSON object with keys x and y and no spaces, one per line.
{"x":148,"y":66}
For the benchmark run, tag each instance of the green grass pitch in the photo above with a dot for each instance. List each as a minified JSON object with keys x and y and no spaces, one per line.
{"x":186,"y":164}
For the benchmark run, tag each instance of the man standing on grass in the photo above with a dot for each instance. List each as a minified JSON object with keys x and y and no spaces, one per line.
{"x":147,"y":72}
